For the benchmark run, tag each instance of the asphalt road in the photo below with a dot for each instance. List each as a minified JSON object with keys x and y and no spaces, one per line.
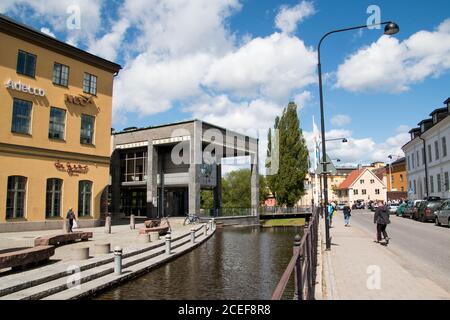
{"x":422,"y":248}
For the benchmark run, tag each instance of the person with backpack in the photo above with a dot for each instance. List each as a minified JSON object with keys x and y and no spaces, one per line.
{"x":347,"y":214}
{"x":381,"y":218}
{"x":330,"y":213}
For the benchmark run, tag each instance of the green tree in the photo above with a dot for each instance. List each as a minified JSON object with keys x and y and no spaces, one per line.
{"x":287,"y":184}
{"x":206,"y":199}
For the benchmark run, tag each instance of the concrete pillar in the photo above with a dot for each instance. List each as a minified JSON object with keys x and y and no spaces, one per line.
{"x":115,"y":182}
{"x":152,"y":184}
{"x":108,"y":224}
{"x":254,"y":181}
{"x":102,"y":248}
{"x":218,"y":190}
{"x":162,"y":207}
{"x":193,"y":235}
{"x":81,"y":253}
{"x":132,"y":222}
{"x":194,"y":168}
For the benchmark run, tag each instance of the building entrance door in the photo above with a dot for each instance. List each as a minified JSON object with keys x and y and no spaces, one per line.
{"x":175,"y":202}
{"x":134,"y":201}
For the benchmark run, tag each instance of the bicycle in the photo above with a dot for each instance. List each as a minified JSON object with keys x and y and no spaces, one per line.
{"x":191,"y":219}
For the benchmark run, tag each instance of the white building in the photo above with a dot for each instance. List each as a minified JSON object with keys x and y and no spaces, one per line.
{"x":362,"y":184}
{"x":427,"y":156}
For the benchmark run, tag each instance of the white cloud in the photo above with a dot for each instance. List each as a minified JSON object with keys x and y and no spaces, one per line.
{"x":302,"y":98}
{"x":288,"y":18}
{"x":361,"y":150}
{"x":273,"y":67}
{"x":48,"y":32}
{"x":393,"y":66}
{"x":341,"y":120}
{"x":108,"y":45}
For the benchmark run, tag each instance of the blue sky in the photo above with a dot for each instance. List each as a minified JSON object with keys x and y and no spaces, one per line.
{"x":238,"y":63}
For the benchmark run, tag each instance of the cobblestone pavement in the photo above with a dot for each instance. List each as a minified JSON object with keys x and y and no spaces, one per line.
{"x":358,"y":268}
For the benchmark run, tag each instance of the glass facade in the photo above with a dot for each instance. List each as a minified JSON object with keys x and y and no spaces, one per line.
{"x":15,"y":199}
{"x":57,"y":123}
{"x":84,"y":198}
{"x":133,"y":166}
{"x":87,"y":129}
{"x":53,"y":198}
{"x":21,"y":118}
{"x":60,"y":74}
{"x":90,"y":83}
{"x":26,"y":63}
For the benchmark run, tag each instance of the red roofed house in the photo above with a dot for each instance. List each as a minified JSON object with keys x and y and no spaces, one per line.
{"x":361,"y":184}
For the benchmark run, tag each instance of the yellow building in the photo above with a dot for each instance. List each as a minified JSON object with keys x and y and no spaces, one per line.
{"x":55,"y":130}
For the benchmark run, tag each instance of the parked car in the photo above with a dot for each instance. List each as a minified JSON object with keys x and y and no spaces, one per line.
{"x":340,"y":206}
{"x":401,"y":209}
{"x":392,"y":208}
{"x":359,"y":204}
{"x":442,"y":216}
{"x":426,"y":209}
{"x":411,"y":208}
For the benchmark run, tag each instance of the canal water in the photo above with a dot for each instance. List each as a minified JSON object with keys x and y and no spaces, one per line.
{"x":236,"y":263}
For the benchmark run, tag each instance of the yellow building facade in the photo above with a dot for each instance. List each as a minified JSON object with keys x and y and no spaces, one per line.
{"x":55,"y":127}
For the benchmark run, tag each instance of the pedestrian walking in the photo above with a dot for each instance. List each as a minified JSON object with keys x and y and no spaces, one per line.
{"x":330,"y":213}
{"x":70,"y":216}
{"x":381,"y":218}
{"x":347,"y":214}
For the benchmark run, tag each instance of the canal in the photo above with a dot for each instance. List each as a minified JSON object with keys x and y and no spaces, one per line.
{"x":236,"y":263}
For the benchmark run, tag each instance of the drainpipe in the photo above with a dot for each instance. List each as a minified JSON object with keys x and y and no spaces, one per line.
{"x":426,"y":166}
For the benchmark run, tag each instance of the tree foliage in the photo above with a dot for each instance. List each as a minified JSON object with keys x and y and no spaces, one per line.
{"x":236,"y":191}
{"x":287,"y":185}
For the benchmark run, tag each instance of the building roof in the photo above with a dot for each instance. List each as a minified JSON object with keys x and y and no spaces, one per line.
{"x":414,"y":130}
{"x":425,"y":121}
{"x":134,"y":129}
{"x":439,"y":110}
{"x":399,"y":160}
{"x":447,"y":101}
{"x":26,"y":33}
{"x":351,"y":178}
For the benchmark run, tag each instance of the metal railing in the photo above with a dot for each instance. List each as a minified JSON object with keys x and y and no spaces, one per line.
{"x":303,"y":261}
{"x":227,"y":212}
{"x":284,"y":210}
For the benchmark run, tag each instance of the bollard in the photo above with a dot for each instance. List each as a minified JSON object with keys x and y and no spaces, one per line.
{"x":213,"y":223}
{"x":118,"y":261}
{"x":108,"y":224}
{"x":205,"y":230}
{"x":193,"y":235}
{"x":64,"y":226}
{"x":168,"y":243}
{"x":132,"y":222}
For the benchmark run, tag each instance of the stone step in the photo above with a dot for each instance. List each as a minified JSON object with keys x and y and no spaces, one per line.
{"x":22,"y":281}
{"x":102,"y":283}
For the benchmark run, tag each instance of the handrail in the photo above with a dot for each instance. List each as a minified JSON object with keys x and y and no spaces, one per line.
{"x":303,"y":261}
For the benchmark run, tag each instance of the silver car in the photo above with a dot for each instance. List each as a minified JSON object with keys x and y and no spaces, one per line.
{"x":442,"y":215}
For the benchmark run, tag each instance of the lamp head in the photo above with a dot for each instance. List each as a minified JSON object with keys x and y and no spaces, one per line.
{"x":391,"y":28}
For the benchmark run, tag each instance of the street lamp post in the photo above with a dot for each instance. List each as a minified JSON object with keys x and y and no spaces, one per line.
{"x":344,"y":140}
{"x":390,"y":29}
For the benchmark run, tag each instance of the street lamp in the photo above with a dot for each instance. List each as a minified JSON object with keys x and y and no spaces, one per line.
{"x":389,"y":29}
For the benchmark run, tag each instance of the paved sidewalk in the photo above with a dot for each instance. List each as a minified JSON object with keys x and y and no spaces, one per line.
{"x":357,"y":268}
{"x":121,"y":235}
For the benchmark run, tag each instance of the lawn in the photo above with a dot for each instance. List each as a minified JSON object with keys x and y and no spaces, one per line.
{"x":294,"y":222}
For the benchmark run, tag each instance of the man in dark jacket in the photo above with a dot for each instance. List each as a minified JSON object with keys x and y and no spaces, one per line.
{"x":381,"y":218}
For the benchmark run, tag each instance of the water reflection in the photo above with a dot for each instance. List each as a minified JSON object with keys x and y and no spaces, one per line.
{"x":236,"y":263}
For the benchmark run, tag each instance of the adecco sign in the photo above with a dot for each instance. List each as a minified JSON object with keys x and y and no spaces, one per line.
{"x":19,"y":86}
